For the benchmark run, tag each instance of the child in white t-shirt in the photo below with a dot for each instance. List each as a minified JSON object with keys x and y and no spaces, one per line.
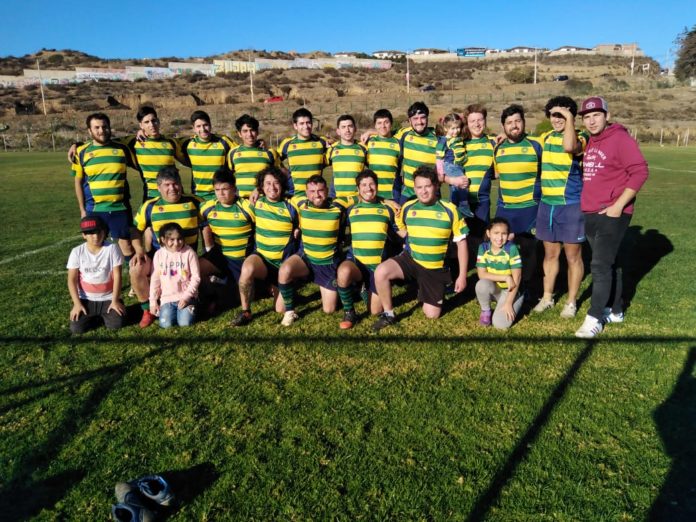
{"x":94,"y":279}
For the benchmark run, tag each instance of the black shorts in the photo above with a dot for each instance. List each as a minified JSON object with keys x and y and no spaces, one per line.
{"x":431,"y":282}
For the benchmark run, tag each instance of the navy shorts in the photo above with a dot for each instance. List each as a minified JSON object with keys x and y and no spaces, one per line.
{"x":560,"y":223}
{"x":368,"y":275}
{"x":118,"y":221}
{"x":225,"y":265}
{"x":271,"y":270}
{"x":323,"y":275}
{"x":522,"y":220}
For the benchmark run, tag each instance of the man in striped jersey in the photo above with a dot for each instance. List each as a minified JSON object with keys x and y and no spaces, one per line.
{"x":428,"y":224}
{"x":517,"y":162}
{"x":172,"y":206}
{"x":248,"y":159}
{"x":304,"y":152}
{"x":418,"y":145}
{"x":321,"y":224}
{"x":372,"y":224}
{"x":346,"y":158}
{"x":205,"y":152}
{"x":384,"y":156}
{"x":560,"y":222}
{"x":101,"y":186}
{"x":277,"y":223}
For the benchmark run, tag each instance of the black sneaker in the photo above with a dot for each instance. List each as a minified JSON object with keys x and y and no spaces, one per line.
{"x":349,"y":319}
{"x":383,"y":321}
{"x":243,"y":319}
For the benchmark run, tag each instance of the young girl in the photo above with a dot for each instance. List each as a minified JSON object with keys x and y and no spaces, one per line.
{"x":499,"y":270}
{"x":175,"y":279}
{"x":450,"y":158}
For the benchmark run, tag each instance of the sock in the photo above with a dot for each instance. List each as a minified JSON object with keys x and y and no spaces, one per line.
{"x":287,"y":292}
{"x":389,"y":313}
{"x":346,"y":295}
{"x":145,"y":305}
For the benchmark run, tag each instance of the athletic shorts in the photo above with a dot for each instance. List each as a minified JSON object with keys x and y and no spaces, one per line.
{"x":522,"y":220}
{"x":271,"y":271}
{"x":323,"y":275}
{"x":118,"y":221}
{"x":225,"y":265}
{"x":560,"y":223}
{"x":431,"y":282}
{"x":367,"y":274}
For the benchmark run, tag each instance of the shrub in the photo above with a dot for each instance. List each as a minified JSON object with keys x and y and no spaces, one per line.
{"x":582,"y":87}
{"x":520,"y":75}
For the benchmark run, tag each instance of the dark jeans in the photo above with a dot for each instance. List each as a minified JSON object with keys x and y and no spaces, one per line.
{"x":96,"y":313}
{"x":604,"y":234}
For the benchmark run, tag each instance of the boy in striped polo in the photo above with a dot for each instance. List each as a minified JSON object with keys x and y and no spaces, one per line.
{"x":205,"y":152}
{"x":304,"y":152}
{"x":248,"y":159}
{"x":418,"y":145}
{"x":101,"y":185}
{"x":560,"y":221}
{"x":346,"y":157}
{"x":384,"y":156}
{"x":372,"y":224}
{"x":322,"y":222}
{"x":428,"y":224}
{"x":172,"y":206}
{"x":277,"y":223}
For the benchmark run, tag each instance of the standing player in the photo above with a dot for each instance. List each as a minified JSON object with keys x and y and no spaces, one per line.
{"x":304,"y":152}
{"x":371,"y":224}
{"x":418,"y":146}
{"x":205,"y":152}
{"x":248,"y":159}
{"x":277,"y":223}
{"x":560,"y":221}
{"x":346,"y":157}
{"x":614,"y":170}
{"x":518,"y":166}
{"x":428,"y":225}
{"x":321,"y":224}
{"x":384,"y":155}
{"x":101,"y":186}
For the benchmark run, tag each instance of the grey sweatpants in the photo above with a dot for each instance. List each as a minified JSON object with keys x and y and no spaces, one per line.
{"x":487,"y":291}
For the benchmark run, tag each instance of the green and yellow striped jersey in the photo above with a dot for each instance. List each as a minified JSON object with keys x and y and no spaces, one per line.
{"x":347,"y":161}
{"x":204,"y":158}
{"x":501,"y":263}
{"x":157,"y":212}
{"x":370,"y":227}
{"x":518,"y":166}
{"x":305,"y":159}
{"x":430,"y":229}
{"x":561,"y":172}
{"x":416,"y":150}
{"x":246,"y":163}
{"x":384,"y":159}
{"x":478,"y":167}
{"x":451,"y":150}
{"x":152,"y":155}
{"x":275,"y":223}
{"x":231,"y":225}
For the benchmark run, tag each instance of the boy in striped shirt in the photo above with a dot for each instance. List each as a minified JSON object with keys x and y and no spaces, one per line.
{"x":384,"y":156}
{"x":248,"y":159}
{"x":346,"y":157}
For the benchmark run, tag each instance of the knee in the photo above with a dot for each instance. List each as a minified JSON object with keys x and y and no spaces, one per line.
{"x":432,"y":313}
{"x":186,"y":319}
{"x":165,"y":322}
{"x":501,"y":323}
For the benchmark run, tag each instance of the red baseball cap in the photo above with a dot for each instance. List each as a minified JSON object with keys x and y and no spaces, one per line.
{"x":595,"y":103}
{"x":91,"y":224}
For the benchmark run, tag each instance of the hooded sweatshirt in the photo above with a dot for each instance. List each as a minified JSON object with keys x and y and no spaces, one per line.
{"x":612,"y":162}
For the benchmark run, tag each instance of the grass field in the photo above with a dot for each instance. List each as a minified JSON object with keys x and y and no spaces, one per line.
{"x":427,"y":421}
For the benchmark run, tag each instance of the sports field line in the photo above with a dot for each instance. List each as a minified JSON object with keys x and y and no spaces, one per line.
{"x":672,"y":170}
{"x":38,"y":250}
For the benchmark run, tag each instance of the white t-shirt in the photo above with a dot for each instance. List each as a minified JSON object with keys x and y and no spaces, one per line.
{"x":95,"y":282}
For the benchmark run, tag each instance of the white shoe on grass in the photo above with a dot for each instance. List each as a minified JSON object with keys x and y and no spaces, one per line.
{"x":611,"y":317}
{"x":543,"y":305}
{"x":569,"y":311}
{"x":289,"y":317}
{"x":590,"y":328}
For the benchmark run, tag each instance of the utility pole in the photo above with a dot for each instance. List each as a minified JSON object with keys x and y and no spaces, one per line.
{"x":535,"y":66}
{"x":43,"y":100}
{"x":251,"y":76}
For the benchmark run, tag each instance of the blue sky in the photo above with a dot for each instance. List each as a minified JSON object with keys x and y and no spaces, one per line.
{"x":156,"y":29}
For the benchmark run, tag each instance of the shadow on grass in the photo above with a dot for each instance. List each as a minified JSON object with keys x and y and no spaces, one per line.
{"x":189,"y":483}
{"x":676,"y":422}
{"x":24,"y":495}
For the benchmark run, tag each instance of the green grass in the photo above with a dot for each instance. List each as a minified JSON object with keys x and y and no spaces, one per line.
{"x":430,"y":420}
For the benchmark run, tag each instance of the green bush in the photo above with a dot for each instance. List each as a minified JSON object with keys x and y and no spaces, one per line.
{"x":520,"y":75}
{"x":583,"y":87}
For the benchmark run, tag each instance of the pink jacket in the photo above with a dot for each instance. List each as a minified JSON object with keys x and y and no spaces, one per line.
{"x":612,"y":162}
{"x":175,"y":276}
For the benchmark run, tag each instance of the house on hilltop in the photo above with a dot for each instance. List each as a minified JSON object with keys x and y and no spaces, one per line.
{"x":388,"y":55}
{"x":629,"y":49}
{"x":571,"y":49}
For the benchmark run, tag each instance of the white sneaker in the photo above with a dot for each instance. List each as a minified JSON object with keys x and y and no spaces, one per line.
{"x":590,"y":328}
{"x":289,"y":318}
{"x":543,"y":304}
{"x":611,"y":317}
{"x":569,"y":311}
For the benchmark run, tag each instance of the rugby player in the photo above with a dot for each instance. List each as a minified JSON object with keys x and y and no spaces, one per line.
{"x":384,"y":156}
{"x":347,"y":158}
{"x":417,"y":147}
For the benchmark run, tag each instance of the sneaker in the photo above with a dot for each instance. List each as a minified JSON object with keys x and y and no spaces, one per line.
{"x":569,"y":311}
{"x":156,"y":489}
{"x":147,"y":319}
{"x":486,"y":317}
{"x":130,"y":513}
{"x":611,"y":317}
{"x":289,"y":318}
{"x":349,"y":319}
{"x":383,"y":321}
{"x":543,"y":304}
{"x":243,"y":319}
{"x":590,"y":328}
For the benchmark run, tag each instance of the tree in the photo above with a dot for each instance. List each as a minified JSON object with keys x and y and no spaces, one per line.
{"x":685,"y":66}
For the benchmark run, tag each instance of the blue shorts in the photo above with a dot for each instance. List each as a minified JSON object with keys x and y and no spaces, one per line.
{"x":271,"y":271}
{"x":522,"y":220}
{"x":323,"y":275}
{"x":225,"y":265}
{"x":118,"y":221}
{"x":368,"y":275}
{"x":560,"y":223}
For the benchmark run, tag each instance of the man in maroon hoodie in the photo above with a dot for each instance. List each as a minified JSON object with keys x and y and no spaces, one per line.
{"x":614,"y":170}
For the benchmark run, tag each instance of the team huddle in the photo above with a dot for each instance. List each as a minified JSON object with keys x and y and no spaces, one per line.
{"x":269,"y":221}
